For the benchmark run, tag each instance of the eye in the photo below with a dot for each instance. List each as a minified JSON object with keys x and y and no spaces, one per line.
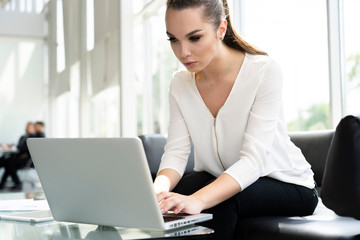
{"x":172,"y":39}
{"x":195,"y":38}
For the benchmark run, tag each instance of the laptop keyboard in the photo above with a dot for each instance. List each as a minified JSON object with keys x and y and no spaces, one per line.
{"x":173,"y":217}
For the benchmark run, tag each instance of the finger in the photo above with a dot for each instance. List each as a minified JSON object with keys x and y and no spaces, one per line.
{"x":179,"y":207}
{"x":169,"y":204}
{"x":163,"y":195}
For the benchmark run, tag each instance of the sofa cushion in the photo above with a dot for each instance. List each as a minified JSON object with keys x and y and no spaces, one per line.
{"x":324,"y":224}
{"x":341,"y":183}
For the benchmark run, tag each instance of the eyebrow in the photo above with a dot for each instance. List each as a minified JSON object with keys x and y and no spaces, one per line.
{"x":187,"y":35}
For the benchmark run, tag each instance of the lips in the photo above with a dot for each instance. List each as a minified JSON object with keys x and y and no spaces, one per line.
{"x":189,"y":64}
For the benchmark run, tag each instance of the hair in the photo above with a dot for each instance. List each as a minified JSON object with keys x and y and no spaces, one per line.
{"x":40,"y":123}
{"x":215,"y":11}
{"x":29,"y":123}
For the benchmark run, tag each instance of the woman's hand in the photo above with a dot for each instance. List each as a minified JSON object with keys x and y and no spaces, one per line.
{"x":170,"y":201}
{"x":216,"y":192}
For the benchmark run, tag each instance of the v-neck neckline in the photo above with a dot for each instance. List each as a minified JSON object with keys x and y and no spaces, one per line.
{"x":228,"y":97}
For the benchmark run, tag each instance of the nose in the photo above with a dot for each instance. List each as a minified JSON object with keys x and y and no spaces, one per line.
{"x":184,"y":50}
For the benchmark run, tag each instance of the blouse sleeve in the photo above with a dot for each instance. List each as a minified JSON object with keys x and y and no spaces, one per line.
{"x":178,"y":146}
{"x":261,"y":127}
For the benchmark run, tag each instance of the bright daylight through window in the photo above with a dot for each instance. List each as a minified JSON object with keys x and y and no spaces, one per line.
{"x":351,"y":10}
{"x":294,"y":33}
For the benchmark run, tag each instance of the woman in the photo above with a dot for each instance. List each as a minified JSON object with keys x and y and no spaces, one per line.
{"x":228,"y":104}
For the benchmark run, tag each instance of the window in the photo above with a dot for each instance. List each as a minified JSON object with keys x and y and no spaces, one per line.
{"x":294,"y":33}
{"x":105,"y":113}
{"x":297,"y":43}
{"x":74,"y":99}
{"x":155,"y":64}
{"x":352,"y":56}
{"x":61,"y":119}
{"x":89,"y":25}
{"x":138,"y":5}
{"x":60,"y":50}
{"x":67,"y":107}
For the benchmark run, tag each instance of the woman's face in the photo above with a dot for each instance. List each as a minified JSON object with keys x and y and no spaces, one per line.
{"x":30,"y":128}
{"x":193,"y":40}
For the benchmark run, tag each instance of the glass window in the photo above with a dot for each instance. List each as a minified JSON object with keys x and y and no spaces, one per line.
{"x":90,"y":25}
{"x":351,"y":15}
{"x":67,"y":107}
{"x":105,"y":114}
{"x":74,"y":107}
{"x":61,"y":119}
{"x":60,"y":50}
{"x":155,"y":64}
{"x":294,"y":33}
{"x":138,"y":5}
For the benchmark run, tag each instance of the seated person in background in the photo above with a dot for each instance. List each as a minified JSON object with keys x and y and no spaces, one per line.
{"x":5,"y":152}
{"x":17,"y":160}
{"x":39,"y":129}
{"x":7,"y":147}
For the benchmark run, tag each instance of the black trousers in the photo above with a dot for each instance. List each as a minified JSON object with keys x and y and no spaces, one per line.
{"x":265,"y":197}
{"x":11,"y":166}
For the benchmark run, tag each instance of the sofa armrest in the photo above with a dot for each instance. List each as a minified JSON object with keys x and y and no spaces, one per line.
{"x":315,"y":146}
{"x":341,"y":191}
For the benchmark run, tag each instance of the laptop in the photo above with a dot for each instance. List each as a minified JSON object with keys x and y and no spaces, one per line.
{"x":104,"y":181}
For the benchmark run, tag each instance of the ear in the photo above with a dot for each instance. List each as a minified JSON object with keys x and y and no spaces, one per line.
{"x":222,"y":28}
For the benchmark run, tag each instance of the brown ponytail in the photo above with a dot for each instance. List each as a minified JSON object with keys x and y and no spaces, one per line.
{"x":215,"y":11}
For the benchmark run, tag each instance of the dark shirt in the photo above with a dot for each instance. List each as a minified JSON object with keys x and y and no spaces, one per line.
{"x":22,"y":146}
{"x":39,"y":135}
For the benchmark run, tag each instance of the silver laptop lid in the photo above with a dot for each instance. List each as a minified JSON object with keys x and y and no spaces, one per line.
{"x":104,"y":181}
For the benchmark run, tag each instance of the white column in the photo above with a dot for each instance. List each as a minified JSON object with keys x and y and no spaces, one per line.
{"x":336,"y":60}
{"x":127,"y":86}
{"x":51,"y":44}
{"x":84,"y":101}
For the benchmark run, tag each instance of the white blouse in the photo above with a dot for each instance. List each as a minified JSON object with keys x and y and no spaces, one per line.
{"x":248,"y":138}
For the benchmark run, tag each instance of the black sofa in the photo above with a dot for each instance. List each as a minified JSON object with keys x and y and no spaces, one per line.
{"x":335,"y":160}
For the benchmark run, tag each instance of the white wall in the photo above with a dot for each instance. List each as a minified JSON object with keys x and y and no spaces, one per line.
{"x":22,"y":88}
